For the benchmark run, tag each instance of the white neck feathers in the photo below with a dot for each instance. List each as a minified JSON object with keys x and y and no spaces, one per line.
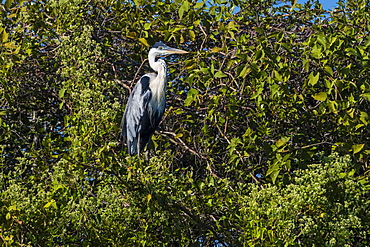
{"x":158,"y":85}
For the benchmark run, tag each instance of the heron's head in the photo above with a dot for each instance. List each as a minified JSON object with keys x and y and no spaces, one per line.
{"x":159,"y":49}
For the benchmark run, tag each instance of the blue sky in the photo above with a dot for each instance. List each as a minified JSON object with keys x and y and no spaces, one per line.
{"x":326,"y":4}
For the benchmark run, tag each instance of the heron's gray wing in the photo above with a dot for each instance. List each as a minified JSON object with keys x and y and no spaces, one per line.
{"x":136,"y":116}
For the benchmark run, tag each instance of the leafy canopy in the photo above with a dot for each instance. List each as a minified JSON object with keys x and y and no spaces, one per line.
{"x":264,"y":140}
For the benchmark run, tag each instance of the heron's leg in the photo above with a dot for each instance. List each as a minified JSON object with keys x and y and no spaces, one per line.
{"x":138,"y":145}
{"x":147,"y":155}
{"x":149,"y":147}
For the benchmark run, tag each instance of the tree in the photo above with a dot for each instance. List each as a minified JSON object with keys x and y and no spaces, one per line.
{"x":268,"y":92}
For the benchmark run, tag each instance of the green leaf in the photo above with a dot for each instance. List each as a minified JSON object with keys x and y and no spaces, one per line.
{"x":10,"y":45}
{"x":366,"y":96}
{"x":316,"y":52}
{"x":198,"y":5}
{"x":181,"y":12}
{"x":51,"y":203}
{"x":232,"y":26}
{"x":61,"y":92}
{"x":333,"y":106}
{"x":8,"y":216}
{"x":4,"y":36}
{"x":351,"y":173}
{"x":273,"y":172}
{"x":282,"y":141}
{"x":192,"y":95}
{"x":351,"y":51}
{"x":193,"y":92}
{"x":179,"y":135}
{"x":217,"y":49}
{"x":8,"y":3}
{"x":274,"y":175}
{"x":186,"y":5}
{"x":320,"y":96}
{"x":144,"y":42}
{"x":278,"y":76}
{"x":148,"y":198}
{"x":329,"y":70}
{"x":259,"y":54}
{"x":205,"y":70}
{"x":364,"y":117}
{"x":306,"y":64}
{"x":357,"y":148}
{"x":244,"y":71}
{"x":313,"y":79}
{"x":191,"y":35}
{"x":147,"y":25}
{"x":220,"y":74}
{"x":321,"y":39}
{"x":200,"y":185}
{"x":233,"y":143}
{"x":184,"y":8}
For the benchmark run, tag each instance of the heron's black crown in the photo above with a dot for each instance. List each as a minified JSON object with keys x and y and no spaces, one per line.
{"x":158,"y":44}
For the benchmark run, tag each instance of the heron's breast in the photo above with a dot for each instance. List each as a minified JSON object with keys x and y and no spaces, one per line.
{"x":158,"y":100}
{"x":158,"y":93}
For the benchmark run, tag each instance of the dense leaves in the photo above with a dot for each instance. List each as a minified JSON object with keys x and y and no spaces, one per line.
{"x":264,"y":140}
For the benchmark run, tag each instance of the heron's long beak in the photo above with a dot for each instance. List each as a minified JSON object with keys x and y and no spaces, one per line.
{"x":175,"y":51}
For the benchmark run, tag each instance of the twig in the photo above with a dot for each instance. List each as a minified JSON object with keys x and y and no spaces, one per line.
{"x":182,"y":143}
{"x":123,"y":84}
{"x":308,"y":146}
{"x":240,"y":157}
{"x":137,"y":72}
{"x":190,"y":150}
{"x":205,"y":37}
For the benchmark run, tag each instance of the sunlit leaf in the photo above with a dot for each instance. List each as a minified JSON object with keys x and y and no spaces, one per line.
{"x":282,"y":141}
{"x":4,"y":36}
{"x":313,"y":79}
{"x":184,"y":8}
{"x":50,"y":203}
{"x":144,"y":42}
{"x":61,"y":92}
{"x":322,"y":96}
{"x":321,"y":39}
{"x":192,"y":95}
{"x":148,"y":198}
{"x":333,"y":106}
{"x":244,"y":71}
{"x":8,"y":3}
{"x":273,"y":172}
{"x":366,"y":96}
{"x":220,"y":74}
{"x":191,"y":35}
{"x":357,"y":148}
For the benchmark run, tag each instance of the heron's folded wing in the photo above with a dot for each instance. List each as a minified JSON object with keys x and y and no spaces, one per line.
{"x":135,"y":118}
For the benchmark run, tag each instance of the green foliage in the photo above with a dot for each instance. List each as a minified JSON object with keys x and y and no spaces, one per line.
{"x":150,"y":204}
{"x":322,"y":206}
{"x":264,"y":142}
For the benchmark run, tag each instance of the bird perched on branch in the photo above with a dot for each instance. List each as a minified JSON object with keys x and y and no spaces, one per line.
{"x":145,"y":106}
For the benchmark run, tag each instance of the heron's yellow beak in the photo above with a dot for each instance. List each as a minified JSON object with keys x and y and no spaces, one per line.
{"x":175,"y":51}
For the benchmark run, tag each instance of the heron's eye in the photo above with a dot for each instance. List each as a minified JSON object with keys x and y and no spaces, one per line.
{"x":160,"y":48}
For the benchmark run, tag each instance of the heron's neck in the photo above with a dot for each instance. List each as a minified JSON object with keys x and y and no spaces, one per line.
{"x":159,"y":84}
{"x":160,"y":67}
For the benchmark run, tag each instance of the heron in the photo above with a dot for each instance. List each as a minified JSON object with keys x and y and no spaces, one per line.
{"x":147,"y":101}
